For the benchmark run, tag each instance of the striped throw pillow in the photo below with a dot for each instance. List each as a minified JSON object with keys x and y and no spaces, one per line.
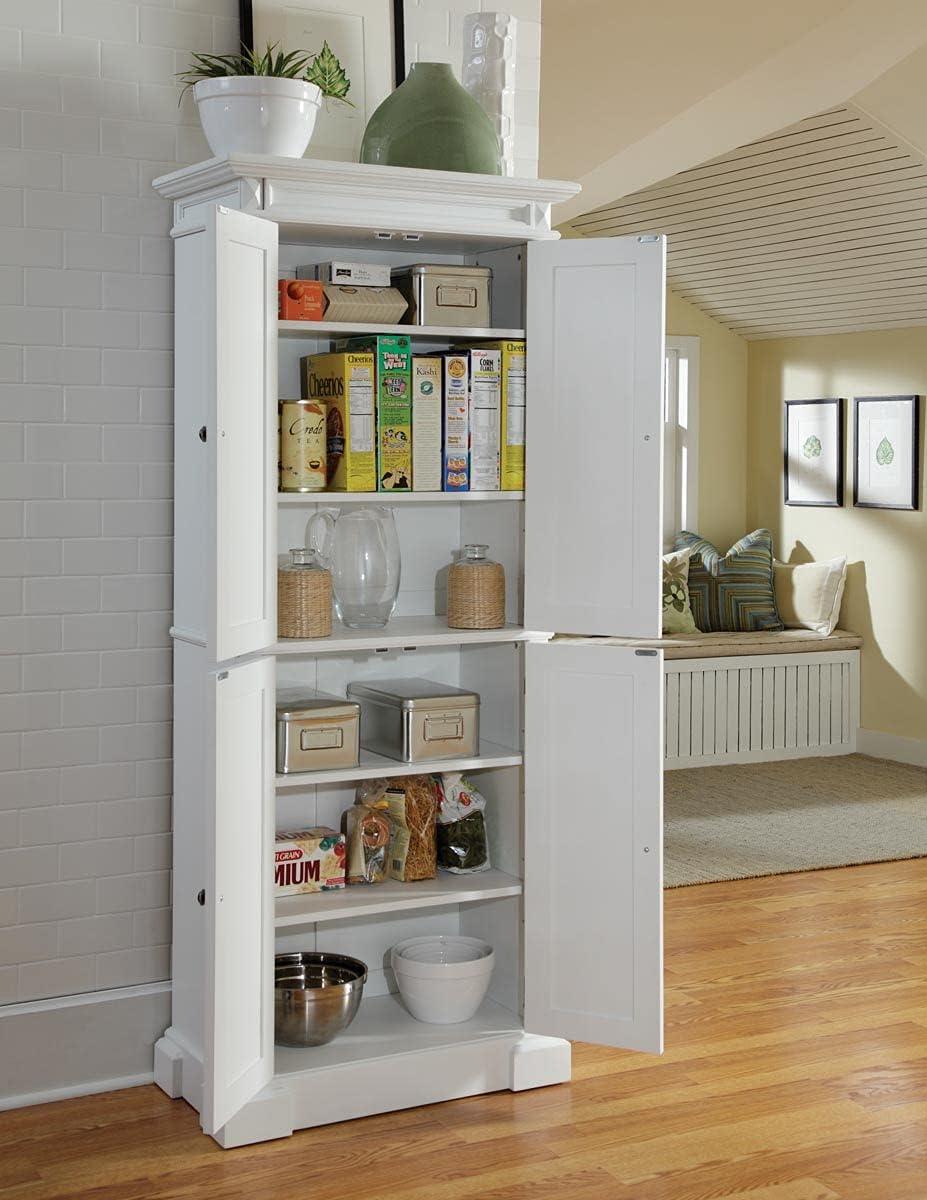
{"x":733,"y":593}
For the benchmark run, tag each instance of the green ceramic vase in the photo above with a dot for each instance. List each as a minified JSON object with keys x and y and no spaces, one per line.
{"x":430,"y":121}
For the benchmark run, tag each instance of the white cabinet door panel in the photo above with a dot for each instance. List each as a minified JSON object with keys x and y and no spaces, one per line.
{"x":241,"y":380}
{"x":593,"y":515}
{"x":593,"y":844}
{"x":239,"y":1022}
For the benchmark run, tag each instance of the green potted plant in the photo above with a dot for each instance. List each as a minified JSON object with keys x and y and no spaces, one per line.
{"x":263,"y":102}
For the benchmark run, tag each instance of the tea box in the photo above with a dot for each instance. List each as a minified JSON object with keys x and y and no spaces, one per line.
{"x":512,"y":422}
{"x":309,"y":860}
{"x":426,"y":423}
{"x":392,"y":355}
{"x":344,"y":382}
{"x":302,"y":445}
{"x":300,"y":300}
{"x":456,"y":473}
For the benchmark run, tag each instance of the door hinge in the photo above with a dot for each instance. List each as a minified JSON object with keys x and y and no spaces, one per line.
{"x":646,"y":653}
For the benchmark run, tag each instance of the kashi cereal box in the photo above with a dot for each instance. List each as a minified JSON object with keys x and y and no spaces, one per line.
{"x":426,"y":423}
{"x":393,"y":391}
{"x":309,"y":860}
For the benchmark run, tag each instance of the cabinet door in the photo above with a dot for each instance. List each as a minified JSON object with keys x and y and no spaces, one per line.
{"x":593,"y":536}
{"x":226,"y":433}
{"x":593,"y":844}
{"x":239,"y":1020}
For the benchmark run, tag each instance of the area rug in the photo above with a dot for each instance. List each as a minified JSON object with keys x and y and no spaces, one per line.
{"x":800,"y":815}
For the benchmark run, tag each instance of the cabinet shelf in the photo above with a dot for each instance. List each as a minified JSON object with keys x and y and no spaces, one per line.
{"x":403,"y":633}
{"x":393,"y":896}
{"x":384,"y":1028}
{"x":288,"y":498}
{"x":373,"y":766}
{"x":418,"y":333}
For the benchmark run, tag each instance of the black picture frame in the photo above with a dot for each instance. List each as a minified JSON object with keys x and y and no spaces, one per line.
{"x":246,"y":34}
{"x":915,"y":402}
{"x":837,"y":502}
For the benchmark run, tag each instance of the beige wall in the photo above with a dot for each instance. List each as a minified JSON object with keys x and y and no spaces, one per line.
{"x":887,"y":580}
{"x":722,"y":421}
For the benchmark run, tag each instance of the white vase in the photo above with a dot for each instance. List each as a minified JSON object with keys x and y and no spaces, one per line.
{"x":488,"y":74}
{"x":257,"y":114}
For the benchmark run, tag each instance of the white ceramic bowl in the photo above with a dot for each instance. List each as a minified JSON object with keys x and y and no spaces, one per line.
{"x":442,"y":980}
{"x":256,"y":114}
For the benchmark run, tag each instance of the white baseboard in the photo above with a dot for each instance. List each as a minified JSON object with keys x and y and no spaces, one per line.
{"x":889,"y":745}
{"x":80,"y":1045}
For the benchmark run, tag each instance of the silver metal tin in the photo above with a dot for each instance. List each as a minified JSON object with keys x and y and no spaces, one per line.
{"x":414,"y":720}
{"x":316,"y":731}
{"x":442,"y":294}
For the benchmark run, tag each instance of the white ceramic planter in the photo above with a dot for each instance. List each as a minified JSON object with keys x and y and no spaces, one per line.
{"x":255,"y":114}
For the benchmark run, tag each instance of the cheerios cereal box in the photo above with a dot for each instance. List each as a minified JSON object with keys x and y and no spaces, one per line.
{"x":392,"y":354}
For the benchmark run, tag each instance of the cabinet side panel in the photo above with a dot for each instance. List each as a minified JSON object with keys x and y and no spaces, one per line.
{"x":192,"y":552}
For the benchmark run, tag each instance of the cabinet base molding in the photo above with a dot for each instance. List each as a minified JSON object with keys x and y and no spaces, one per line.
{"x":305,"y":1099}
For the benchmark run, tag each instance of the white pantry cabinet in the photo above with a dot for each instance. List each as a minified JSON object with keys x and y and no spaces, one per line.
{"x":570,"y":758}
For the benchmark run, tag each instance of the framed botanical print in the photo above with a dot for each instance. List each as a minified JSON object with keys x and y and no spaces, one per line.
{"x":886,"y":435}
{"x":814,"y":453}
{"x":361,"y":34}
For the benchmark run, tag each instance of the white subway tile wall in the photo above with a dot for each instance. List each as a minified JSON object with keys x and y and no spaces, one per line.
{"x":89,"y":115}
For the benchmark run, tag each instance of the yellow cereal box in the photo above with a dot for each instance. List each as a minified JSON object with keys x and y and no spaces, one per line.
{"x":346,"y":383}
{"x":513,"y":413}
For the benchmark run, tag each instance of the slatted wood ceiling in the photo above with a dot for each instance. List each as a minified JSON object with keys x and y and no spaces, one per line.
{"x":821,"y":228}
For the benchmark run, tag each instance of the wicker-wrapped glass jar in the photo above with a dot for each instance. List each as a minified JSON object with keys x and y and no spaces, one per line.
{"x":304,"y":596}
{"x":476,"y":591}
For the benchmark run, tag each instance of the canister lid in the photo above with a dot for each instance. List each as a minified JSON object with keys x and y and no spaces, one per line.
{"x":293,"y":703}
{"x":414,"y":693}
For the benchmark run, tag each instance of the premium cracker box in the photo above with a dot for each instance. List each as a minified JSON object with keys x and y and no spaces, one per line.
{"x":456,"y":474}
{"x":512,"y":423}
{"x":426,"y":423}
{"x":345,"y":383}
{"x":485,"y":409}
{"x":309,"y":860}
{"x":392,"y":354}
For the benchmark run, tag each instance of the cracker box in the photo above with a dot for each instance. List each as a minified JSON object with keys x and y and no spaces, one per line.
{"x":360,"y":274}
{"x":512,"y":423}
{"x":392,"y":354}
{"x":345,"y":383}
{"x":308,"y":860}
{"x":456,"y":473}
{"x":300,"y":300}
{"x":485,"y":408}
{"x":426,"y":423}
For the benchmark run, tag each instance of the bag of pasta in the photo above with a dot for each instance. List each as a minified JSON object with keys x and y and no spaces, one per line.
{"x":413,"y":808}
{"x":367,"y":829}
{"x":463,"y":845}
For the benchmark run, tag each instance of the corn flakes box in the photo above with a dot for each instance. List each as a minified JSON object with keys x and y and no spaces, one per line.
{"x":345,"y":382}
{"x":512,"y":431}
{"x":485,"y":412}
{"x":309,"y":860}
{"x":392,"y":355}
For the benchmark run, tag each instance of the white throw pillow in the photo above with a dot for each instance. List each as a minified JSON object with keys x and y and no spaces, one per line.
{"x":808,"y":595}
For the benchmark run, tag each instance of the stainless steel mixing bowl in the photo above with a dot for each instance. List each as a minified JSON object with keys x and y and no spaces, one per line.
{"x":316,"y":996}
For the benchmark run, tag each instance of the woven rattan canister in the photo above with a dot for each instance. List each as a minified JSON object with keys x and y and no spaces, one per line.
{"x":304,"y":597}
{"x":476,"y":591}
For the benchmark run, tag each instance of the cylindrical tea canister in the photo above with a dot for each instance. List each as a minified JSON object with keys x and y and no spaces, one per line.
{"x":303,"y":441}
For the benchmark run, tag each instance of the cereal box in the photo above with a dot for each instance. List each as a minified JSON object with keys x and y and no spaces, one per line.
{"x":426,"y":423}
{"x":393,"y":394}
{"x":485,"y":407}
{"x":512,"y":448}
{"x":456,"y":476}
{"x":308,"y":860}
{"x":345,"y":383}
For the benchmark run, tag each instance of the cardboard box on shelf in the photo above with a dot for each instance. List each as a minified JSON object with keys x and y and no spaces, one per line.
{"x":512,"y":416}
{"x":392,"y":355}
{"x":456,"y":473}
{"x":345,"y":382}
{"x":426,"y":422}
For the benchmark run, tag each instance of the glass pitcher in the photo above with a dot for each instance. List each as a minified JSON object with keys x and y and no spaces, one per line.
{"x":360,"y":546}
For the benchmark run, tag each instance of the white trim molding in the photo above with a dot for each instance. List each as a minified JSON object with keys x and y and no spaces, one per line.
{"x":889,"y":745}
{"x":80,"y":1045}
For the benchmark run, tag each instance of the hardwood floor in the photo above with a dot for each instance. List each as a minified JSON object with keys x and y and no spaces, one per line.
{"x":796,"y":1069}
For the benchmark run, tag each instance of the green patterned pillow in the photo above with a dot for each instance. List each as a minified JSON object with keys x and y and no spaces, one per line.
{"x":677,"y":614}
{"x":733,"y":593}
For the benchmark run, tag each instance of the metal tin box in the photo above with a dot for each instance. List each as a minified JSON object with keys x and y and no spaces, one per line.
{"x":315,"y":731}
{"x":445,"y":295}
{"x":414,"y":720}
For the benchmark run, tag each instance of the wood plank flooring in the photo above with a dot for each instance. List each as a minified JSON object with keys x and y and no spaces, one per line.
{"x":796,"y":1069}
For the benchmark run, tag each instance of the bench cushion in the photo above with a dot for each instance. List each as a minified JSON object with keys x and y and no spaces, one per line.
{"x":729,"y":645}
